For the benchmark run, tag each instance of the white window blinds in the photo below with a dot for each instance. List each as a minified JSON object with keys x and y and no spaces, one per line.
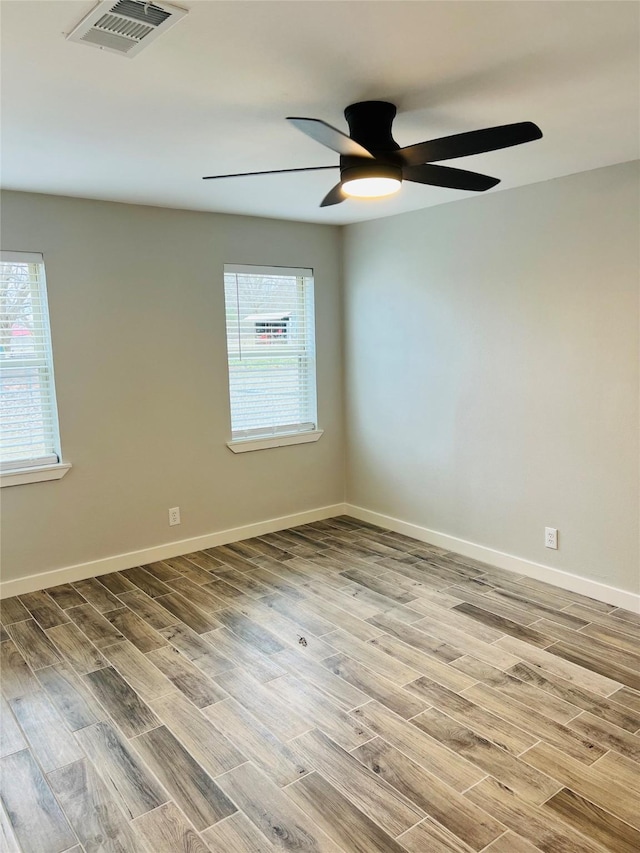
{"x":28,"y":415}
{"x":271,"y":350}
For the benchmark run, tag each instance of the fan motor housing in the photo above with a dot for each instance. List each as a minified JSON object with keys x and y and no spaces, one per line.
{"x":370,"y":125}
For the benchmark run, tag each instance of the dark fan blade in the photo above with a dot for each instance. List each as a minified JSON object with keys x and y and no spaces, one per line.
{"x":443,"y":176}
{"x":474,"y":142}
{"x":334,"y":196}
{"x":270,"y":172}
{"x":333,"y":138}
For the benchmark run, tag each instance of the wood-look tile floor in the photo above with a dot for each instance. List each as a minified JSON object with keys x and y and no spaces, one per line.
{"x":334,"y":687}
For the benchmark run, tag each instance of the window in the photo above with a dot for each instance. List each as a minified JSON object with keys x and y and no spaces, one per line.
{"x":29,"y":438}
{"x":271,"y":356}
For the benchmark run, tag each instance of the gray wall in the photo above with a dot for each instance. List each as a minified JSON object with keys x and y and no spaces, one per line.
{"x":137,"y":313}
{"x":491,"y":374}
{"x":492,"y":370}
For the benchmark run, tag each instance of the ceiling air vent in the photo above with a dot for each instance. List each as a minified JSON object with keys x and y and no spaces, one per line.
{"x":126,"y":26}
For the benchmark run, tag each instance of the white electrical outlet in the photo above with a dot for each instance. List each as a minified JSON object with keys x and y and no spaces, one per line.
{"x":551,"y":538}
{"x":174,"y":516}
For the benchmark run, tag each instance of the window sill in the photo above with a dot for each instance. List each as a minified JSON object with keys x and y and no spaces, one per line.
{"x":22,"y":476}
{"x":243,"y":445}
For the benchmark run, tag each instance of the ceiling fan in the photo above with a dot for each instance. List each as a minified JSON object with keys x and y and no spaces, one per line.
{"x":372,"y":164}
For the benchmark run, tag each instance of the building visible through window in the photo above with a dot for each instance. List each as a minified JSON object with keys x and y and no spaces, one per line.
{"x":270,"y":327}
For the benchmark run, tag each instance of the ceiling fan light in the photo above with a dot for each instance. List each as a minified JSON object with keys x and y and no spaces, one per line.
{"x":371,"y":187}
{"x":371,"y":181}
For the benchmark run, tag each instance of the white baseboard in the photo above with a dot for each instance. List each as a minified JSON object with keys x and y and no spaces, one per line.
{"x":565,"y":580}
{"x":31,"y":583}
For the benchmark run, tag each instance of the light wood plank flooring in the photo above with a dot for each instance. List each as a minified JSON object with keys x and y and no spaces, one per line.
{"x":333,"y":687}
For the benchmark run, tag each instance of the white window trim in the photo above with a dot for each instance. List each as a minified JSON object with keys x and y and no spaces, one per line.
{"x":34,"y":474}
{"x":255,"y":269}
{"x":12,"y":474}
{"x":304,"y":435}
{"x":244,"y":445}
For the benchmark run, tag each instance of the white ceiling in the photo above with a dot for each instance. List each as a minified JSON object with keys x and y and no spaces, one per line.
{"x":210,"y":96}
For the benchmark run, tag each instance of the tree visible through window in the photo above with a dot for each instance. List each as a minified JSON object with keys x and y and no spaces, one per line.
{"x":28,"y":416}
{"x":271,"y":350}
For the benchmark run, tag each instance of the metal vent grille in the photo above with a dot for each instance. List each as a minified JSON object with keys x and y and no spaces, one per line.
{"x":130,"y":29}
{"x":126,"y":26}
{"x":146,"y":12}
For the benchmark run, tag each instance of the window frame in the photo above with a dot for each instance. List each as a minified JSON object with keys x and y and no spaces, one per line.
{"x":280,"y":436}
{"x":50,"y":466}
